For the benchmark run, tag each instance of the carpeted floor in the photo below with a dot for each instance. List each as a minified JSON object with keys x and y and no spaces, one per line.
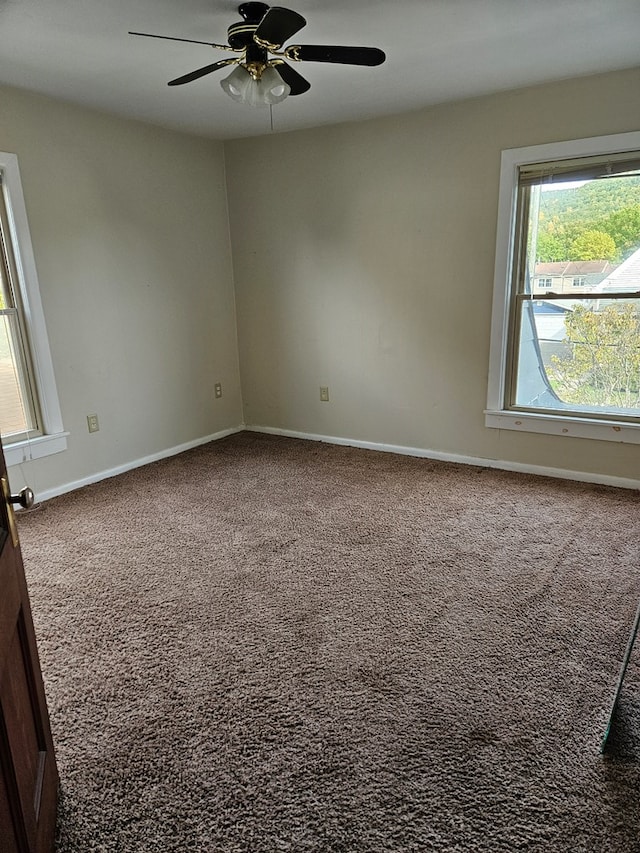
{"x":269,"y":645}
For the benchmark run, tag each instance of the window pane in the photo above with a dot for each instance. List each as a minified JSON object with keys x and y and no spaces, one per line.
{"x":580,"y":355}
{"x":14,"y":399}
{"x":18,"y":408}
{"x":581,"y":232}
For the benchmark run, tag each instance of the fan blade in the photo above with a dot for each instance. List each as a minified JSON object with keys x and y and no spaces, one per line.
{"x":294,"y":81}
{"x":332,"y":53}
{"x":191,"y":41}
{"x":201,"y":72}
{"x":277,"y":26}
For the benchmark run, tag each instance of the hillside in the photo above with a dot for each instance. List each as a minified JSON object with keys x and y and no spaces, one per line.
{"x":598,"y":220}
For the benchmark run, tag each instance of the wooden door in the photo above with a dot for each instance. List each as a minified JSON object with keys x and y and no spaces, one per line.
{"x":29,"y":778}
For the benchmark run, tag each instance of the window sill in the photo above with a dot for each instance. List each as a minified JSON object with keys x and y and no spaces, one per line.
{"x":35,"y":448}
{"x":565,"y":426}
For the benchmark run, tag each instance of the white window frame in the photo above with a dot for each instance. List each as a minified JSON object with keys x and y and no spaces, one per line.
{"x":54,"y":437}
{"x":497,"y":415}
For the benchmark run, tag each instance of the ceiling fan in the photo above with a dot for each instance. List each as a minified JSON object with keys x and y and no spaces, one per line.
{"x":261,"y":75}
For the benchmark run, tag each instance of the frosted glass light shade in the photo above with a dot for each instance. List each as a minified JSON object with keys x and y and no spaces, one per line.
{"x":274,"y":88}
{"x":269,"y":89}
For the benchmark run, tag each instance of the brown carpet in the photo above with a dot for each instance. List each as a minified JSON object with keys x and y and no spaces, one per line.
{"x":269,"y":645}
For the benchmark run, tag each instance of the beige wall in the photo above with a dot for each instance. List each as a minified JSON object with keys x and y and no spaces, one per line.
{"x":362,"y":256}
{"x":364,"y":259}
{"x":130,"y":235}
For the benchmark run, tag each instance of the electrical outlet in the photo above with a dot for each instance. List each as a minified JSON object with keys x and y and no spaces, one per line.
{"x":324,"y":394}
{"x":92,"y":423}
{"x":217,"y":390}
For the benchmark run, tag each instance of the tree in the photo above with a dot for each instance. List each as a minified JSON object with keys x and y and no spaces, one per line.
{"x":609,"y":206}
{"x":603,"y":364}
{"x":593,"y":245}
{"x":623,"y":226}
{"x":550,"y":248}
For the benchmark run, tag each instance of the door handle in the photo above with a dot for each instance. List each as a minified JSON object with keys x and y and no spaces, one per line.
{"x":25,"y":498}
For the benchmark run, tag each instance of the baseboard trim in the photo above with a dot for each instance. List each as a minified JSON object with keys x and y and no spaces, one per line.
{"x":504,"y":465}
{"x":135,"y":463}
{"x":501,"y":464}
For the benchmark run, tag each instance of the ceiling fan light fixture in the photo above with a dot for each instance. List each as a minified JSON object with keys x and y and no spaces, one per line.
{"x":245,"y":88}
{"x":274,"y":88}
{"x":236,"y":83}
{"x":258,"y":80}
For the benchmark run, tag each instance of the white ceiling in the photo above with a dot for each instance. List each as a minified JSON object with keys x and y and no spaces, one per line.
{"x":437,"y":50}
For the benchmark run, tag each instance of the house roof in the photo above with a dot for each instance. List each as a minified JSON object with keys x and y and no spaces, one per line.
{"x":541,"y":306}
{"x":569,"y":268}
{"x":626,"y":277}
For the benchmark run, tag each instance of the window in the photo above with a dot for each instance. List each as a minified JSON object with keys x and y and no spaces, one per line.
{"x":544,"y":283}
{"x":20,"y":416}
{"x":30,"y":419}
{"x":573,"y":367}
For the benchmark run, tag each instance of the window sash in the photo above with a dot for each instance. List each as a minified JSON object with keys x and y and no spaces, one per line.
{"x":16,"y":338}
{"x":18,"y":405}
{"x":520,"y":300}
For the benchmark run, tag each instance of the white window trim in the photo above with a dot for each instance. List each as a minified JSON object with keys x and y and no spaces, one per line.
{"x":496,"y":415}
{"x":54,"y":438}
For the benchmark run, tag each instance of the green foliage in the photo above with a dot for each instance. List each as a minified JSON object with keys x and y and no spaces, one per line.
{"x":593,"y":245}
{"x":551,"y":247}
{"x":603,"y":366}
{"x":623,"y":226}
{"x":610,"y":206}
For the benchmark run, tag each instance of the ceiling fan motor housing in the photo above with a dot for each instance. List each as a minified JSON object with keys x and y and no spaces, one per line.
{"x":240,"y":35}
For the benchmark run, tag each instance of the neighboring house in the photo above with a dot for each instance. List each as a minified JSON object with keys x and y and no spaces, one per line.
{"x":549,"y":319}
{"x":625,"y":278}
{"x":11,"y":411}
{"x":568,"y":276}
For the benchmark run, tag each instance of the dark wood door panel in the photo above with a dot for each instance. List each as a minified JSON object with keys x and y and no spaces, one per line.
{"x":8,"y":841}
{"x":29,"y":783}
{"x":22,"y":715}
